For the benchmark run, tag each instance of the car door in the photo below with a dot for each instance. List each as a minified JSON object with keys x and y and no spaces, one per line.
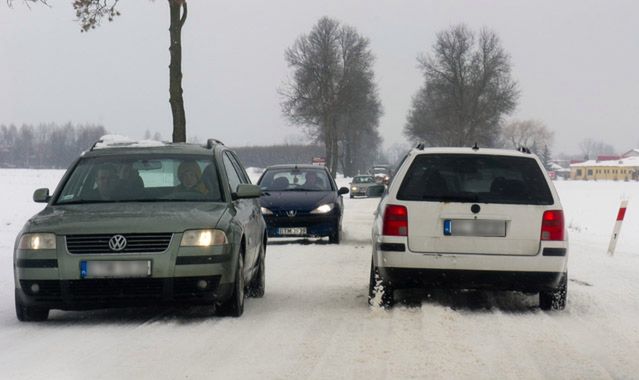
{"x":247,"y":209}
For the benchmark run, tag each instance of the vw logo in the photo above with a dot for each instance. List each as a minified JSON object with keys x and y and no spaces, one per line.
{"x":291,"y":213}
{"x":117,"y":243}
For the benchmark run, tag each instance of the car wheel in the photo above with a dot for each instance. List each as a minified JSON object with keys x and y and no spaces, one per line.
{"x":336,"y":236}
{"x":377,"y":285}
{"x":351,"y":196}
{"x":556,"y":299}
{"x":234,"y":306}
{"x":258,"y":282}
{"x":30,"y":313}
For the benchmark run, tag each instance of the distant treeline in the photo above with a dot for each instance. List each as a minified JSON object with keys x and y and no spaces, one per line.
{"x":263,"y":156}
{"x":45,"y":145}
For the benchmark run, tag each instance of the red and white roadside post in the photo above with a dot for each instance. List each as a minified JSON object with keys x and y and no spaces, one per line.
{"x":615,"y":231}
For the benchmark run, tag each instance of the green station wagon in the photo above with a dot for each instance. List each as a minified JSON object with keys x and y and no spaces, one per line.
{"x":134,"y":224}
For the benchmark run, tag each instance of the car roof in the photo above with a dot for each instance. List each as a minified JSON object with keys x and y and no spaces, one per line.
{"x":148,"y":148}
{"x":298,"y":166}
{"x":478,"y":151}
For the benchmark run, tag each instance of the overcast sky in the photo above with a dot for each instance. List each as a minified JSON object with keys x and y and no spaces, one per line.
{"x":576,"y":62}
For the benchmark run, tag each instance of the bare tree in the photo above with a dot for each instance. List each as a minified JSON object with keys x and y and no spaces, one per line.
{"x":590,"y":148}
{"x":467,"y":90}
{"x":331,"y":92}
{"x":532,"y":134}
{"x":90,"y":13}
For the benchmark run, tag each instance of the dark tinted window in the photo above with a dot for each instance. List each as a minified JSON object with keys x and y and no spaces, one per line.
{"x":295,"y":179}
{"x":475,"y":178}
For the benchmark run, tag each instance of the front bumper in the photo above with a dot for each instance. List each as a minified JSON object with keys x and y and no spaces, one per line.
{"x":102,"y":293}
{"x":316,"y":225}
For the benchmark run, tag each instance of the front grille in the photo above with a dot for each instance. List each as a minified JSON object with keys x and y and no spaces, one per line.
{"x":116,"y":288}
{"x":136,"y":243}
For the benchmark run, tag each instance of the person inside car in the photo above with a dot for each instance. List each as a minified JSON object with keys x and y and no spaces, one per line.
{"x":189,"y":174}
{"x":313,"y":182}
{"x":106,"y":183}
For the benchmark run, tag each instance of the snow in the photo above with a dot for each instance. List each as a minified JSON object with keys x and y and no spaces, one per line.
{"x":110,"y":141}
{"x":314,"y":321}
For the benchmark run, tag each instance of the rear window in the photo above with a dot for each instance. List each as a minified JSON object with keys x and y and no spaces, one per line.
{"x":475,"y":178}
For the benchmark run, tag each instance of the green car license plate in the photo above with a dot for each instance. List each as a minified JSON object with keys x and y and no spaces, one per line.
{"x":292,"y":231}
{"x":115,"y":268}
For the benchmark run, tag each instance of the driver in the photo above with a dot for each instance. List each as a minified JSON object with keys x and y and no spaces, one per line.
{"x":189,"y":174}
{"x":313,"y":182}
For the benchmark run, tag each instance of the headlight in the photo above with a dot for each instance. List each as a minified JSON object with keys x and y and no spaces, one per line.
{"x":354,"y":188}
{"x":37,"y":241}
{"x":323,"y":209}
{"x":266,"y":211}
{"x":203,"y":238}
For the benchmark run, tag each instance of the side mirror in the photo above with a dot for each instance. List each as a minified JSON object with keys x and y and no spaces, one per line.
{"x":244,"y":191}
{"x":41,"y":195}
{"x":342,"y":191}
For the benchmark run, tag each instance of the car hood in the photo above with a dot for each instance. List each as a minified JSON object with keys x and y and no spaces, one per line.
{"x":126,"y":217}
{"x":297,"y":200}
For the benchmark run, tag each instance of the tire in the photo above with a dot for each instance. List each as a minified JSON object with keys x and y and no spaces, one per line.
{"x":556,"y":299}
{"x":234,"y":306}
{"x":336,"y":236}
{"x":30,"y":313}
{"x":258,"y":282}
{"x":377,"y":284}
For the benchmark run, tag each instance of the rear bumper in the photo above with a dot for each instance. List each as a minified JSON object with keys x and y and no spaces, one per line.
{"x":103,"y":293}
{"x":472,"y":279}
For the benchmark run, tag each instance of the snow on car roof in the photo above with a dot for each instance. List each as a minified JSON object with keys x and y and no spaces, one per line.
{"x":114,"y":141}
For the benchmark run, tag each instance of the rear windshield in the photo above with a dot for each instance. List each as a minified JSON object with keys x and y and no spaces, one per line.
{"x":142,"y":178}
{"x":475,"y":178}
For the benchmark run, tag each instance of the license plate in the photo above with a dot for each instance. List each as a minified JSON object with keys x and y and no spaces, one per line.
{"x":292,"y":231}
{"x":115,"y":268}
{"x":474,"y":227}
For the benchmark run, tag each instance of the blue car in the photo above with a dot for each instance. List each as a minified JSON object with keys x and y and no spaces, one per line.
{"x":301,"y":201}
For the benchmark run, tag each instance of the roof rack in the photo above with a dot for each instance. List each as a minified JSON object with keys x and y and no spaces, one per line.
{"x":420,"y":146}
{"x":523,"y":149}
{"x":211,"y":142}
{"x":95,"y":144}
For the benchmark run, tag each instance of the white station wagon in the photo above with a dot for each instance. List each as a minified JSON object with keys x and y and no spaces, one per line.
{"x":470,"y":218}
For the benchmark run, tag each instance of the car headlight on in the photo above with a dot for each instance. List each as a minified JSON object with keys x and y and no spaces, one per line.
{"x":203,"y":238}
{"x":266,"y":211}
{"x":354,"y":188}
{"x":323,"y":209}
{"x":37,"y":241}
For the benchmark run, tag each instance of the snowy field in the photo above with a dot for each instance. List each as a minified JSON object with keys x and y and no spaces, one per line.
{"x":314,"y":321}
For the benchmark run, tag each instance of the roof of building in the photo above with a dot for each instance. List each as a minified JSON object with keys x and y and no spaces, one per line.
{"x":622,"y":162}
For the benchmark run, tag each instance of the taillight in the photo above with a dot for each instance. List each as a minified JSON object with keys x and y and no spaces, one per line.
{"x":395,"y":221}
{"x":552,"y":225}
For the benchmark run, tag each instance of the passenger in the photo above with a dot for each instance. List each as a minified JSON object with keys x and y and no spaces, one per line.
{"x":313,"y":182}
{"x":106,"y":182}
{"x":190,"y":176}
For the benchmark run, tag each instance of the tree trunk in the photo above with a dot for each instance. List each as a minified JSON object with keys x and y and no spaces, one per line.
{"x":178,"y":17}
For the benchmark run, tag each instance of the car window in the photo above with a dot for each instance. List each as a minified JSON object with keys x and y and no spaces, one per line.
{"x":141,"y":178}
{"x":234,"y":177}
{"x":475,"y":178}
{"x":244,"y":178}
{"x":295,"y":179}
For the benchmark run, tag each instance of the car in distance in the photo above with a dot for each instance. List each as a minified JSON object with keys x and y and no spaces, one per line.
{"x":382,"y":173}
{"x":470,"y":218}
{"x":365,"y":186}
{"x":132,"y":224}
{"x":301,"y":201}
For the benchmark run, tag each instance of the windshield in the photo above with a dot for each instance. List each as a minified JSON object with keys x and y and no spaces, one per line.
{"x":475,"y":178}
{"x":295,"y":179}
{"x":142,"y":178}
{"x":366,"y":179}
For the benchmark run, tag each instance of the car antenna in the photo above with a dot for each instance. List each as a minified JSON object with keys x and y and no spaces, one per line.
{"x":475,"y":147}
{"x":420,"y":146}
{"x":523,"y":149}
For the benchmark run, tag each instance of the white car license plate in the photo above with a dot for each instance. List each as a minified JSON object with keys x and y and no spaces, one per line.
{"x":115,"y":269}
{"x":473,"y":227}
{"x":292,"y":231}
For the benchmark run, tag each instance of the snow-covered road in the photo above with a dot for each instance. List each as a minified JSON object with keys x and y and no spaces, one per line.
{"x":314,"y":321}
